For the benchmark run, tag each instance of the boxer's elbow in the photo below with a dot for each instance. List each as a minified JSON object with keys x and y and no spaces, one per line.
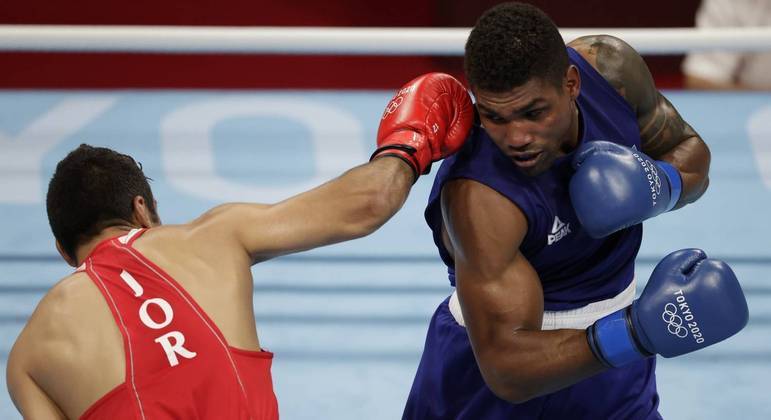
{"x":506,"y":377}
{"x":508,"y":387}
{"x":702,"y":188}
{"x":694,"y":169}
{"x":694,"y":186}
{"x":700,"y":174}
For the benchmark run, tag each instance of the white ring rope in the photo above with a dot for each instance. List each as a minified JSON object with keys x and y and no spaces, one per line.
{"x":352,"y":41}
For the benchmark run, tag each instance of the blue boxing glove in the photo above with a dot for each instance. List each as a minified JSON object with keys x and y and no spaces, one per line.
{"x":690,"y":302}
{"x":615,"y":186}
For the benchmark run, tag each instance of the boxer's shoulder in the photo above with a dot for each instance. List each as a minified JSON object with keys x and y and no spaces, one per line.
{"x":68,"y":311}
{"x":620,"y":65}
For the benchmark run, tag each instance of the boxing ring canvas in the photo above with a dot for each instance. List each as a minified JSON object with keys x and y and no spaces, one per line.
{"x":347,"y":322}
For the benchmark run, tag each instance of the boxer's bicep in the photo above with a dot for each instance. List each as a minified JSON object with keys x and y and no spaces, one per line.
{"x":664,"y":134}
{"x":661,"y":126}
{"x":31,"y":401}
{"x":498,"y":289}
{"x":485,"y":230}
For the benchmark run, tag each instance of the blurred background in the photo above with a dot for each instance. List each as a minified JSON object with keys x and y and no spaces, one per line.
{"x":34,"y":70}
{"x":347,"y":322}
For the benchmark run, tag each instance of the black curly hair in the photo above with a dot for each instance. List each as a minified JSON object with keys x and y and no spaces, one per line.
{"x":512,"y":43}
{"x":93,"y":188}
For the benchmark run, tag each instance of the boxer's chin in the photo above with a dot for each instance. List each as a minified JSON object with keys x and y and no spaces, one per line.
{"x":535,"y":165}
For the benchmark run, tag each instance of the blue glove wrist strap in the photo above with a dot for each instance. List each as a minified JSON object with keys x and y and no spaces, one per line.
{"x":612,"y":338}
{"x":675,"y":183}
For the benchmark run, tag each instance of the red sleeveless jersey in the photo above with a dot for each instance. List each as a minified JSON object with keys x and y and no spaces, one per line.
{"x":178,"y":364}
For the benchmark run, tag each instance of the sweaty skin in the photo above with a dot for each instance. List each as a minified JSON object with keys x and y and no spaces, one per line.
{"x":663,"y":132}
{"x":499,"y":291}
{"x":71,"y":342}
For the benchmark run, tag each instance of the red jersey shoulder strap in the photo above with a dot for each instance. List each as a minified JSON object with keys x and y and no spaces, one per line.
{"x":129,"y":238}
{"x":128,"y":348}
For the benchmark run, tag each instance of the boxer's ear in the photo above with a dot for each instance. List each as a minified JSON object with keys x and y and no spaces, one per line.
{"x":68,"y":259}
{"x":572,"y":82}
{"x":144,"y":215}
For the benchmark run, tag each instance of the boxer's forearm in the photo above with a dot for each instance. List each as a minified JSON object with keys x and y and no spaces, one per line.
{"x":372,"y":193}
{"x":502,"y":307}
{"x":524,"y":364}
{"x":351,"y":206}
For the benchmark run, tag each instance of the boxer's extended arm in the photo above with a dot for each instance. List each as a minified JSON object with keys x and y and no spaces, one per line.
{"x":427,"y":120}
{"x":664,"y":134}
{"x":350,"y":206}
{"x":502,"y":300}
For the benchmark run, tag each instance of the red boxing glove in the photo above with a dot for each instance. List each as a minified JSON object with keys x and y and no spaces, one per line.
{"x":428,"y":119}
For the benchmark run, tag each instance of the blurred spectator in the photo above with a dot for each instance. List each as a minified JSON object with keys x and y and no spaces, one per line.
{"x":725,"y":69}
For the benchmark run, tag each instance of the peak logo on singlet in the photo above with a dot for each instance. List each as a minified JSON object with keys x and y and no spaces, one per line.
{"x":558,"y":231}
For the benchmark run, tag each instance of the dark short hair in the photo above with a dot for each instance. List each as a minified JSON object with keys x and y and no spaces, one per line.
{"x":93,"y":188}
{"x":512,"y":43}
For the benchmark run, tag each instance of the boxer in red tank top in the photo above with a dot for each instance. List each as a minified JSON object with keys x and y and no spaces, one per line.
{"x":169,"y":340}
{"x":157,"y":321}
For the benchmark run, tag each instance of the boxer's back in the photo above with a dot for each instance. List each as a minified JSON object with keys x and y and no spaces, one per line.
{"x":155,"y":320}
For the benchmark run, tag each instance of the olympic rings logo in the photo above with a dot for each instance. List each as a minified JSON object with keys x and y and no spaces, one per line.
{"x":674,"y":321}
{"x":392,"y":106}
{"x":396,"y":101}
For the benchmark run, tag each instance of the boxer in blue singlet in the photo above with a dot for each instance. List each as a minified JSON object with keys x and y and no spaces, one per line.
{"x":538,"y":219}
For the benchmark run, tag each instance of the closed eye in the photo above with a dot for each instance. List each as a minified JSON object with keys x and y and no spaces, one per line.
{"x":535,"y":113}
{"x":495,"y":119}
